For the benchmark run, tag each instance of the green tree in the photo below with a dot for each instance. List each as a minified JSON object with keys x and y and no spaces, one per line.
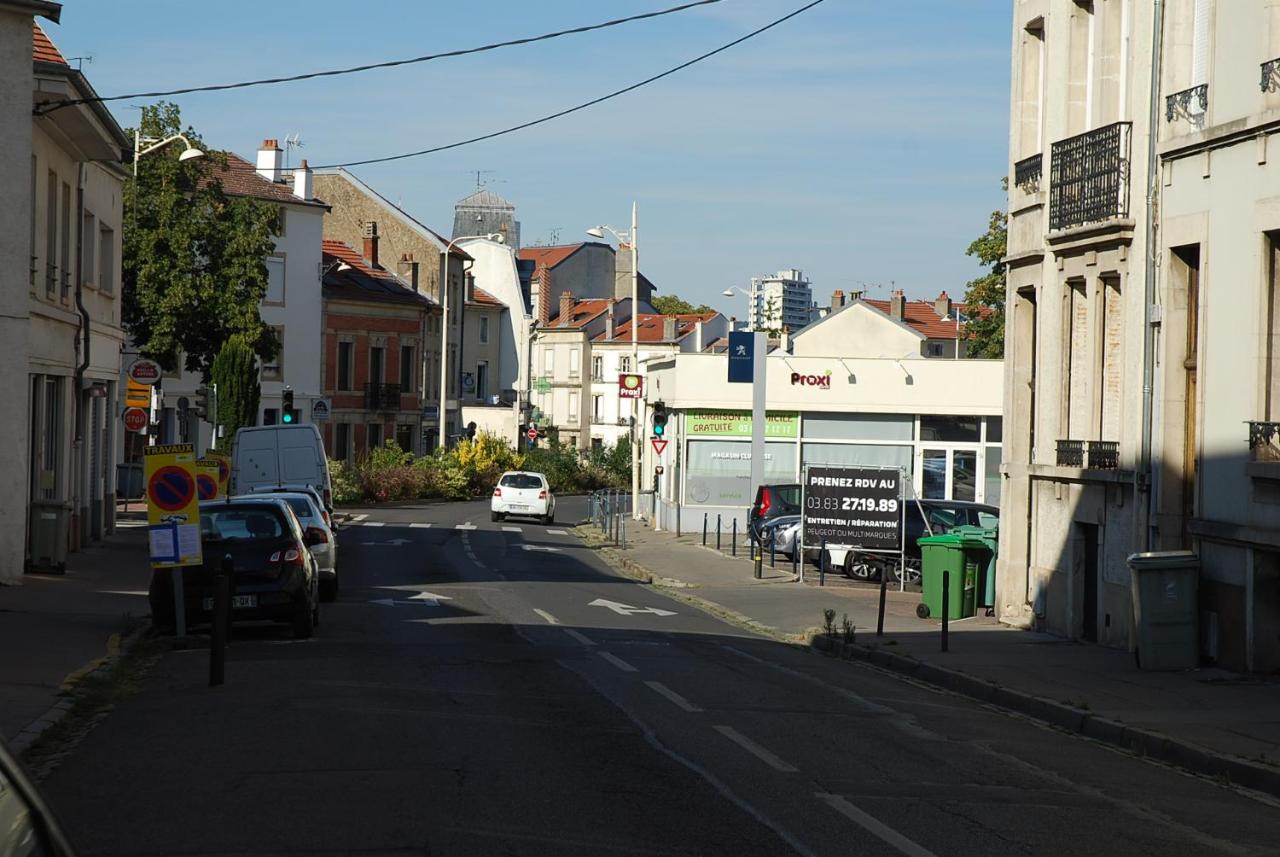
{"x":193,"y":267}
{"x":676,"y":305}
{"x":235,"y":371}
{"x":984,"y":295}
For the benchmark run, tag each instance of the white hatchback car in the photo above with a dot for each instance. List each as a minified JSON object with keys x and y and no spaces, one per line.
{"x":521,"y":493}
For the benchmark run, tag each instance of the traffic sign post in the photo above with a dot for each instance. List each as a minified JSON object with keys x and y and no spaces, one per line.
{"x":135,"y":419}
{"x":173,"y":516}
{"x":207,"y":479}
{"x":532,"y":433}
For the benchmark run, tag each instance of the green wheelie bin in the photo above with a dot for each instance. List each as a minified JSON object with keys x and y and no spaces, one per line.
{"x":982,"y":543}
{"x":946,"y":552}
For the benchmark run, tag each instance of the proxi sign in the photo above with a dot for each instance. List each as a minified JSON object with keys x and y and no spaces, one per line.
{"x":802,"y":379}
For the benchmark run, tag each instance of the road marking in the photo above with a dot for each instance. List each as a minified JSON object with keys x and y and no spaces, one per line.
{"x":557,"y":533}
{"x":391,"y":602}
{"x":581,"y":638}
{"x":511,"y":529}
{"x":756,"y":750}
{"x":618,"y":662}
{"x":419,"y":526}
{"x":360,"y":517}
{"x":395,"y":543}
{"x":874,"y":827}
{"x":627,"y":609}
{"x":543,"y":548}
{"x":551,"y":620}
{"x":372,"y":524}
{"x":678,"y":700}
{"x":467,"y":526}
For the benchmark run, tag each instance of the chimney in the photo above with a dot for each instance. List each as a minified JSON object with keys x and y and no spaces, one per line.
{"x":837,"y":299}
{"x":270,"y":160}
{"x":698,"y":338}
{"x":622,"y":272}
{"x":668,"y":328}
{"x":897,"y":305}
{"x":566,"y":308}
{"x":371,"y":243}
{"x":942,"y":305}
{"x":609,"y":321}
{"x":408,"y":269}
{"x":470,"y":281}
{"x":543,"y":276}
{"x":303,"y":187}
{"x":784,"y":341}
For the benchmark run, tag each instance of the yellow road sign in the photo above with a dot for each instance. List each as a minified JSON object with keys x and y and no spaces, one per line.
{"x":173,"y":505}
{"x":137,"y":395}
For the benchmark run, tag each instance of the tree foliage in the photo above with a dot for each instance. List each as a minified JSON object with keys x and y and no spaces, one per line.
{"x":194,"y":266}
{"x":235,"y":371}
{"x":676,"y":305}
{"x":985,"y":295}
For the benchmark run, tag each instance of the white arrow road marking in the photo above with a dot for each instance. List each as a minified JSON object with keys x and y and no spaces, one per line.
{"x":551,"y":620}
{"x":545,"y":548}
{"x":467,"y":526}
{"x":627,"y":609}
{"x":429,"y":596}
{"x":557,"y":533}
{"x":418,"y":601}
{"x":395,"y":543}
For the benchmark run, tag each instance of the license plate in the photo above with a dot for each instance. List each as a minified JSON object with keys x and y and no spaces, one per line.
{"x":238,"y":602}
{"x":518,"y":507}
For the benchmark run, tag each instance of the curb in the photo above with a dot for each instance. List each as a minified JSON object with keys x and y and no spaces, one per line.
{"x":1192,"y":757}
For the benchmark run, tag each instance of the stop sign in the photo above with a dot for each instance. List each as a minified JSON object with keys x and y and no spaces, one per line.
{"x":532,"y":433}
{"x":135,"y":419}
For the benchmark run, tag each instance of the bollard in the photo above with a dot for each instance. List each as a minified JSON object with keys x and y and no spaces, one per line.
{"x":946,"y":606}
{"x":795,"y":559}
{"x":884,"y":580}
{"x":773,"y":548}
{"x":677,"y":519}
{"x":704,"y":529}
{"x":758,"y":558}
{"x":717,"y":531}
{"x":822,"y":565}
{"x":221,"y":623}
{"x":622,"y":537}
{"x":733,"y":550}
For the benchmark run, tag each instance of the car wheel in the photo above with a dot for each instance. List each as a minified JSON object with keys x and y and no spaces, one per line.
{"x":495,"y":516}
{"x":922,"y":610}
{"x":549,"y":519}
{"x":329,"y":590}
{"x":858,"y":568}
{"x":304,"y":620}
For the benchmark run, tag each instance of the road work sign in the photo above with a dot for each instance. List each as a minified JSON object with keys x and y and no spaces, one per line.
{"x":224,"y":470}
{"x":173,"y":505}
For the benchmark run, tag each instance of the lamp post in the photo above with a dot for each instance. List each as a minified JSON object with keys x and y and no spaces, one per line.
{"x":444,"y":323}
{"x":156,"y":143}
{"x":632,"y":239}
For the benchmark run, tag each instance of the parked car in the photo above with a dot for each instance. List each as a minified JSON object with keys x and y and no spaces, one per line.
{"x":522,"y":493}
{"x":781,"y":534}
{"x":27,"y":827}
{"x":281,"y":455}
{"x":275,"y":576}
{"x":299,"y":489}
{"x":942,"y":515}
{"x":323,"y":544}
{"x":772,"y":501}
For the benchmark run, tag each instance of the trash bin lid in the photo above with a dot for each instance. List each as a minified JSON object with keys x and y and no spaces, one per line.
{"x":949,"y":539}
{"x":1163,"y":559}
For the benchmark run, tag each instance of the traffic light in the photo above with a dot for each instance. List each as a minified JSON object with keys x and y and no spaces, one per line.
{"x":659,"y":419}
{"x":203,"y":407}
{"x":287,"y":414}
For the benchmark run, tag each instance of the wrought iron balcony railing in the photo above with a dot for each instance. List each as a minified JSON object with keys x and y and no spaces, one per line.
{"x":1270,"y":75}
{"x":1184,"y":103}
{"x":1071,"y":453}
{"x":382,"y":397}
{"x":1089,"y":177}
{"x":1104,"y":455}
{"x":1027,"y":172}
{"x":1264,"y":441}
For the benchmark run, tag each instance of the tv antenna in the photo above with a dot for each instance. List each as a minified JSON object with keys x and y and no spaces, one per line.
{"x":480,"y":180}
{"x":555,"y":235}
{"x":80,"y":61}
{"x":293,"y":141}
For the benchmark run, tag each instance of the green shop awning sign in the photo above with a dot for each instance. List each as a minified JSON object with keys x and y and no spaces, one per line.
{"x":738,"y":424}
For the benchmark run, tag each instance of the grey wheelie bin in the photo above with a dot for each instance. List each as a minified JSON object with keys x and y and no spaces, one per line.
{"x":1163,"y":586}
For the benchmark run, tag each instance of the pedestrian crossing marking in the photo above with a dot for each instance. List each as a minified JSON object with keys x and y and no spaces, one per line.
{"x":557,"y":533}
{"x":419,"y":526}
{"x":511,"y":529}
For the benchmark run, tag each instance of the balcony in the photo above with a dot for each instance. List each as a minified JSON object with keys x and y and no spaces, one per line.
{"x":1264,"y":441}
{"x":1104,"y":455}
{"x":1188,"y":104}
{"x":1070,"y":453}
{"x":1089,"y":177}
{"x":1270,"y":75}
{"x":382,"y":397}
{"x":1027,"y":173}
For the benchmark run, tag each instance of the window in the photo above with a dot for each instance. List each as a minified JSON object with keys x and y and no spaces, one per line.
{"x":346,"y":356}
{"x":1080,"y":67}
{"x":31,"y":239}
{"x":433,"y":383}
{"x":624,"y":363}
{"x":597,"y":367}
{"x":1075,"y":399}
{"x":482,"y":380}
{"x":374,"y":435}
{"x":935,"y":349}
{"x":51,"y":235}
{"x":88,"y":248}
{"x":270,"y":416}
{"x":575,"y":359}
{"x":404,"y":437}
{"x":106,"y":259}
{"x":65,"y":254}
{"x":1032,"y":85}
{"x":949,"y":429}
{"x":453,"y":376}
{"x":273,"y":369}
{"x":1271,"y":389}
{"x":573,"y":405}
{"x":275,"y":280}
{"x":342,"y":441}
{"x":484,"y":330}
{"x":406,"y":368}
{"x":47,"y":437}
{"x":376,"y":365}
{"x":597,"y":408}
{"x":1111,"y":372}
{"x":548,"y":360}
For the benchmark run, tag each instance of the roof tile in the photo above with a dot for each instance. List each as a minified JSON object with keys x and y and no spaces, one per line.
{"x":43,"y":48}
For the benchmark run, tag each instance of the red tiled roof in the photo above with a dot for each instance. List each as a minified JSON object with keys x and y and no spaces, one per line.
{"x":483,"y":297}
{"x":583,"y":312}
{"x":922,"y":317}
{"x":240,"y":178}
{"x":361,"y":281}
{"x":43,"y":49}
{"x":652,"y":325}
{"x":549,"y":256}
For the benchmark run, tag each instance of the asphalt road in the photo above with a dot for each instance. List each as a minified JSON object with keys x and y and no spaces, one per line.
{"x":485,"y":688}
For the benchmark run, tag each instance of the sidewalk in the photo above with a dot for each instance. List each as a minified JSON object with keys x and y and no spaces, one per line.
{"x":56,"y":624}
{"x":1210,"y":720}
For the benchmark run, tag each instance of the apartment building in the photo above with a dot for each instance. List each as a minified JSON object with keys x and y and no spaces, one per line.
{"x":782,"y":300}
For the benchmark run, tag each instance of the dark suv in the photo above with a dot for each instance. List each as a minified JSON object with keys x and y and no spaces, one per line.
{"x":772,"y":501}
{"x":274,"y":575}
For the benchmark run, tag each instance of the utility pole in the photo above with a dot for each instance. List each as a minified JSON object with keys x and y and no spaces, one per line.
{"x":636,"y":412}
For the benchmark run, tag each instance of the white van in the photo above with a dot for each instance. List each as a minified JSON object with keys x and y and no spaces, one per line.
{"x":281,"y":455}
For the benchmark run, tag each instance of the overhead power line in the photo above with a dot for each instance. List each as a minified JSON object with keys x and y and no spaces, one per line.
{"x":268,"y":81}
{"x":582,"y":106}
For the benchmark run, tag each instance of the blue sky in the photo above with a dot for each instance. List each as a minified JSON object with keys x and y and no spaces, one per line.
{"x":862,"y":142}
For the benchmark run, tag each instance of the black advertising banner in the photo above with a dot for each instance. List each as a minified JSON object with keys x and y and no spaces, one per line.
{"x":853,"y":506}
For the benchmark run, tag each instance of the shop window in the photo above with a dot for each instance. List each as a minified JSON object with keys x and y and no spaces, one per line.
{"x":949,"y":429}
{"x":859,"y":426}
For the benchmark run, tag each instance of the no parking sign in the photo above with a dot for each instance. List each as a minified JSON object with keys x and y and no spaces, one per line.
{"x":173,"y":505}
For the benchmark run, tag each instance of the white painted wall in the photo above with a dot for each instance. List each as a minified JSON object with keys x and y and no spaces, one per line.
{"x":858,"y":329}
{"x":495,"y":272}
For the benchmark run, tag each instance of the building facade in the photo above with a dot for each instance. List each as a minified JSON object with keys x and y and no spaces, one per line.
{"x":783,"y":300}
{"x":486,"y":213}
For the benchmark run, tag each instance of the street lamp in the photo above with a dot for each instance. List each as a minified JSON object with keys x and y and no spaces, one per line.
{"x":632,"y":239}
{"x":444,"y":322}
{"x":156,"y":143}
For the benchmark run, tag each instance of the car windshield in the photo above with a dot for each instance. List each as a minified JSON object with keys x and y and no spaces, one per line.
{"x":988,"y":519}
{"x":240,"y":524}
{"x":521,"y":480}
{"x":300,"y":506}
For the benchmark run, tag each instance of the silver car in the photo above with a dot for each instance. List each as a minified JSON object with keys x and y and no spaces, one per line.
{"x":324,"y":547}
{"x":781,"y":534}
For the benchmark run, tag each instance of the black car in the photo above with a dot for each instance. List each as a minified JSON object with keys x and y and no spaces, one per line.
{"x":943,"y":515}
{"x":27,"y":827}
{"x":274,"y":575}
{"x":772,"y":501}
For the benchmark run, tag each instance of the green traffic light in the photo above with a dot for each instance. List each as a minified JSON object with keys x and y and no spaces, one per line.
{"x":659,"y":429}
{"x":287,"y":417}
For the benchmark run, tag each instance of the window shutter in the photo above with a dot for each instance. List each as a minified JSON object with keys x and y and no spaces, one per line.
{"x":1200,"y":42}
